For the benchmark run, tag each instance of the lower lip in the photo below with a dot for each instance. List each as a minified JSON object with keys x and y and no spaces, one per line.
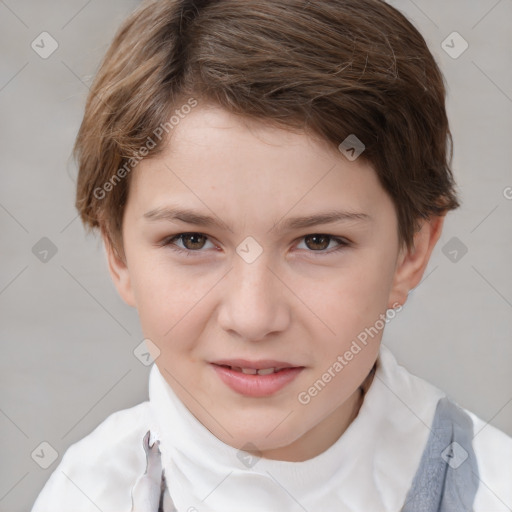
{"x":256,"y":385}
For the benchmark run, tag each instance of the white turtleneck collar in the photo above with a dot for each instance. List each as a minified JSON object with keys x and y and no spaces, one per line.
{"x":370,"y":467}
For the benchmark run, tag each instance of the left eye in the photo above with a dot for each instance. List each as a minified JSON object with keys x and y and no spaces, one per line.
{"x":193,"y":242}
{"x":323,"y":241}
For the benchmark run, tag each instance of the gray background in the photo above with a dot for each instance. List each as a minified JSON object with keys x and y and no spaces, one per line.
{"x":67,"y":339}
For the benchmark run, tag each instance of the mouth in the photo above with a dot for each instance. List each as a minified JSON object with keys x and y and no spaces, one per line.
{"x":260,"y":367}
{"x":257,"y":378}
{"x":253,"y":371}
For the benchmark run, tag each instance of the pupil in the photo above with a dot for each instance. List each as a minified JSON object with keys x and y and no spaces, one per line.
{"x":315,"y":239}
{"x":193,"y":236}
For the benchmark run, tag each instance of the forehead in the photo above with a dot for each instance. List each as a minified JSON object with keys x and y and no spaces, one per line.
{"x":212,"y":130}
{"x":238,"y":164}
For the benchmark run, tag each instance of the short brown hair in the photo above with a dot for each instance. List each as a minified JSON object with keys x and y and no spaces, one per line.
{"x":330,"y":68}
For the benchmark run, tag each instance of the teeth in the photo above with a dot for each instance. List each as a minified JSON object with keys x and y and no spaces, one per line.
{"x":266,"y":371}
{"x":253,"y":371}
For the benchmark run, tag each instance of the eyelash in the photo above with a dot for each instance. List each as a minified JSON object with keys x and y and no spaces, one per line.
{"x":168,"y":242}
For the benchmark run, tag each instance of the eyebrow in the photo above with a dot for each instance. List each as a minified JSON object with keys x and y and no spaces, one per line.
{"x":172,"y":214}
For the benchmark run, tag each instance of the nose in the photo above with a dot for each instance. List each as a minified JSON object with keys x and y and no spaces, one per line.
{"x":255,"y":301}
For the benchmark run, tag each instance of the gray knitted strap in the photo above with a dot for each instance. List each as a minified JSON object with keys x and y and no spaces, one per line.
{"x":447,"y":478}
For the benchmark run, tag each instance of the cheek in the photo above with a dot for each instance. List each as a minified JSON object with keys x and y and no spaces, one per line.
{"x":168,"y":297}
{"x":354,"y":297}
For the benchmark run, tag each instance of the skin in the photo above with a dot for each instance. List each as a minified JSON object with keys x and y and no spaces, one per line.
{"x":298,"y":302}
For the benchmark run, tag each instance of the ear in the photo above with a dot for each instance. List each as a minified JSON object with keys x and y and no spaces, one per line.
{"x":119,"y":272}
{"x":411,"y":263}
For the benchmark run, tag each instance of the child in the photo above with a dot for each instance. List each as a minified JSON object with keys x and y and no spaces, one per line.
{"x":270,"y":178}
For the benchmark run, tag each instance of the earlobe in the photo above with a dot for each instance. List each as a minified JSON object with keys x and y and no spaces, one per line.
{"x":411,"y":263}
{"x":119,"y":272}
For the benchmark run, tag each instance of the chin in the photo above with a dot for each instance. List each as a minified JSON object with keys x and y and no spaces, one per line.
{"x":268,"y":435}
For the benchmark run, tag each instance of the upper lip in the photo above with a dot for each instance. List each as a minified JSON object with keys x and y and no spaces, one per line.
{"x":256,"y":365}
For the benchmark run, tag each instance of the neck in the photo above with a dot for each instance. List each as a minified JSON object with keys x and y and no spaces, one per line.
{"x":324,"y":434}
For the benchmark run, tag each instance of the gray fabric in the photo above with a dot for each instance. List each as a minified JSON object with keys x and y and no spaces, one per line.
{"x":447,"y":478}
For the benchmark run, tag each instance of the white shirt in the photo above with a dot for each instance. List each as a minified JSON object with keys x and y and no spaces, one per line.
{"x":369,"y":468}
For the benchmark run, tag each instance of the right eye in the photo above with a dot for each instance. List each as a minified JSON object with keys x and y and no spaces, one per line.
{"x":192,"y":242}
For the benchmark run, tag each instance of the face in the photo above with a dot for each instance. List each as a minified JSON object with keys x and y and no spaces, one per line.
{"x":244,"y":241}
